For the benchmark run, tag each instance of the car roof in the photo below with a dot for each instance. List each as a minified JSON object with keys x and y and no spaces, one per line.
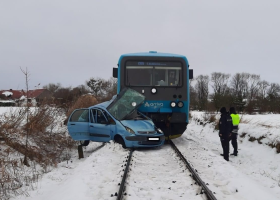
{"x":103,"y":105}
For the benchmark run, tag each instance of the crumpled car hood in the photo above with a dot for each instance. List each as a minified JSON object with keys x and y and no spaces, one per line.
{"x":139,"y":125}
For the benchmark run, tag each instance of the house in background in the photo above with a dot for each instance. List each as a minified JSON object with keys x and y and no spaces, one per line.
{"x":19,"y":97}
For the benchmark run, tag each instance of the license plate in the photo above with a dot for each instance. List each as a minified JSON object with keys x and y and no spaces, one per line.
{"x":153,"y":139}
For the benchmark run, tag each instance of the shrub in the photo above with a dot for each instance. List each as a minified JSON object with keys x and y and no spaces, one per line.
{"x":46,"y":144}
{"x":84,"y":101}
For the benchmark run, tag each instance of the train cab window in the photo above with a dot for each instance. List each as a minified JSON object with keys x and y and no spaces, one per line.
{"x":153,"y":73}
{"x":168,"y":76}
{"x":139,"y":75}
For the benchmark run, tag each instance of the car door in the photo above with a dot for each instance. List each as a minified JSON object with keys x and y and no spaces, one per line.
{"x":100,"y":128}
{"x":78,"y":124}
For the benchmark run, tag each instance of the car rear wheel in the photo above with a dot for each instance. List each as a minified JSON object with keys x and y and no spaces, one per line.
{"x":84,"y":142}
{"x":119,"y":139}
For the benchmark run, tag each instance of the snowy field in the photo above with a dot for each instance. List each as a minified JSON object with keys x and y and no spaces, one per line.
{"x":157,"y":173}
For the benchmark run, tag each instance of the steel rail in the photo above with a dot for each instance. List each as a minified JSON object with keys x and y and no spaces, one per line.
{"x":122,"y":186}
{"x":195,"y":176}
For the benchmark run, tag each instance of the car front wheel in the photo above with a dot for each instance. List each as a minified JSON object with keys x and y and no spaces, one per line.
{"x":119,"y":139}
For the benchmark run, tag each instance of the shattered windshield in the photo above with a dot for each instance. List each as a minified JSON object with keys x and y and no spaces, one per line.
{"x":126,"y":102}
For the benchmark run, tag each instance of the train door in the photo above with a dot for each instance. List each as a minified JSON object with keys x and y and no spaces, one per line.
{"x":100,"y":127}
{"x":78,"y":124}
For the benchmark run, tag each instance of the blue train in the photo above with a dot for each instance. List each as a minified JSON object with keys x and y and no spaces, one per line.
{"x":163,"y":79}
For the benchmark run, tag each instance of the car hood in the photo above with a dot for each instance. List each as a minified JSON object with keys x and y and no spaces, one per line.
{"x":139,"y":125}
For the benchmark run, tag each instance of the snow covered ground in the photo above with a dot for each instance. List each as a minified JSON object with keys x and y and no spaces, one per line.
{"x":253,"y":174}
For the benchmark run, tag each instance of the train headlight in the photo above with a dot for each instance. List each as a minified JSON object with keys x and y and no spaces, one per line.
{"x":154,"y":90}
{"x":133,"y":104}
{"x":180,"y":104}
{"x":173,"y":104}
{"x":129,"y":130}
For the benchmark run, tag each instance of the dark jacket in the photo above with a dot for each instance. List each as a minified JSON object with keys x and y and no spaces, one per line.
{"x":225,"y":125}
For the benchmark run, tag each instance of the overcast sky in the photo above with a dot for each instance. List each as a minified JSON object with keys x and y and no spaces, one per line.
{"x":70,"y":41}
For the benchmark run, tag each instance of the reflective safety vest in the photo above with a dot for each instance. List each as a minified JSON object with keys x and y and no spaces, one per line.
{"x":235,"y":119}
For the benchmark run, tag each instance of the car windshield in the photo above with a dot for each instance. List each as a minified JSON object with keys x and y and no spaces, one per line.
{"x":127,"y":101}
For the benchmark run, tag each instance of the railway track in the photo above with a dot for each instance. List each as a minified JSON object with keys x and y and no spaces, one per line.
{"x":200,"y":182}
{"x":186,"y":185}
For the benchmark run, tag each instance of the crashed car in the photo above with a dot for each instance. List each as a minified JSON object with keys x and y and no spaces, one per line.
{"x":116,"y":120}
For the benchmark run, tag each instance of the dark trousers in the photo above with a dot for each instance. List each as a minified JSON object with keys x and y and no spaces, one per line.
{"x":234,"y":143}
{"x":225,"y":145}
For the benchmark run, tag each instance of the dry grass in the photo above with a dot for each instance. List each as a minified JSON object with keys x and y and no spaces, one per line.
{"x":276,"y":146}
{"x":37,"y":140}
{"x":84,"y":101}
{"x":245,"y":121}
{"x":265,"y":125}
{"x":209,"y":118}
{"x":242,"y":135}
{"x":252,"y":139}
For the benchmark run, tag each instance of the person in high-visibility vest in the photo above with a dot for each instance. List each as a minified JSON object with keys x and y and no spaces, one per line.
{"x":235,"y":122}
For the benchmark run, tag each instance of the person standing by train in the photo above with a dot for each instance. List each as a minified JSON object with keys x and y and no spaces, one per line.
{"x":235,"y":122}
{"x":225,"y":128}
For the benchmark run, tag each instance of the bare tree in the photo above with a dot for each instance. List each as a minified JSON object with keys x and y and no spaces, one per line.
{"x":263,"y":89}
{"x":273,"y":97}
{"x":201,"y":87}
{"x":27,"y":108}
{"x":253,"y":83}
{"x":219,"y":81}
{"x":52,"y":87}
{"x":97,"y":86}
{"x":220,"y":88}
{"x":239,"y":85}
{"x":193,"y":95}
{"x":103,"y":89}
{"x":274,"y":90}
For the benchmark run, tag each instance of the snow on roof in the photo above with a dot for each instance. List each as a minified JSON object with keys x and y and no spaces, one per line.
{"x":22,"y":97}
{"x":7,"y":93}
{"x":7,"y":101}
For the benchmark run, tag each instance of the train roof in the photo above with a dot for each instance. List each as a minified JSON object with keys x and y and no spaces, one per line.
{"x":153,"y":53}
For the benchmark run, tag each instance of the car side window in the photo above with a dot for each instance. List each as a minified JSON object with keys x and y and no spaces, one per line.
{"x":93,"y":115}
{"x":100,"y":118}
{"x":109,"y":118}
{"x":80,"y":116}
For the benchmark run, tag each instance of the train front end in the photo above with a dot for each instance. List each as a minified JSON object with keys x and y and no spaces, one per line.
{"x":164,"y":80}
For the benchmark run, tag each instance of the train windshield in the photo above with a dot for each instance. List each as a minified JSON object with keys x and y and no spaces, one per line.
{"x":153,"y":73}
{"x":127,"y":101}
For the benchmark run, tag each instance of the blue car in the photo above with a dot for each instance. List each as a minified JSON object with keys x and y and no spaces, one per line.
{"x":116,"y":120}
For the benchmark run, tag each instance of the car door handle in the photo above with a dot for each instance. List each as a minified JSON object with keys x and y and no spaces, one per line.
{"x":91,"y":126}
{"x":73,"y":124}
